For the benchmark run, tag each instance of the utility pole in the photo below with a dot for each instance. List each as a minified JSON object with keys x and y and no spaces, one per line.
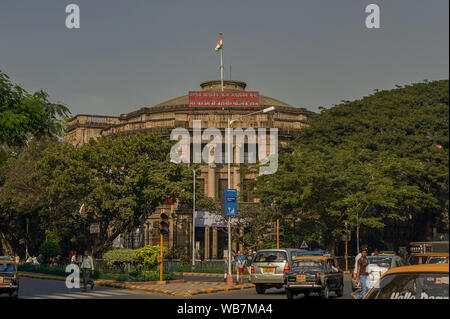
{"x":229,"y":122}
{"x":193,"y":225}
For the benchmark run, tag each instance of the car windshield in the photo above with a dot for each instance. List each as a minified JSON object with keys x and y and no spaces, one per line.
{"x":380,"y":261}
{"x":309,"y":264}
{"x":270,"y":256}
{"x":412,"y":286}
{"x":438,"y":260}
{"x":7,"y":267}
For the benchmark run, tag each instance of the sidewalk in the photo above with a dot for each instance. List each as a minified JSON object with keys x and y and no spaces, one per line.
{"x":172,"y":287}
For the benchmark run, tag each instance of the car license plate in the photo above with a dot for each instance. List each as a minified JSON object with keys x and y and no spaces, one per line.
{"x":1,"y":280}
{"x":301,"y":278}
{"x":269,"y":269}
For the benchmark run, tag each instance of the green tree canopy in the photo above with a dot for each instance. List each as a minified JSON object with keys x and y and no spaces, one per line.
{"x":387,"y":152}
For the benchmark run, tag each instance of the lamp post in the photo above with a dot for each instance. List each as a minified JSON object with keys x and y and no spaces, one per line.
{"x":229,"y":122}
{"x":193,"y":224}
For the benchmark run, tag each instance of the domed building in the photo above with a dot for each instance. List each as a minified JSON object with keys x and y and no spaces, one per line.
{"x":180,"y":112}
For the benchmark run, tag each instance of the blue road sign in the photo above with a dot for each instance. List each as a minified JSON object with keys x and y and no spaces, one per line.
{"x":231,"y":202}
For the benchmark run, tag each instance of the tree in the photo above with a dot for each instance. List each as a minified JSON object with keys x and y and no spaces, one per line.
{"x":378,"y":152}
{"x":23,"y":115}
{"x":120,"y":180}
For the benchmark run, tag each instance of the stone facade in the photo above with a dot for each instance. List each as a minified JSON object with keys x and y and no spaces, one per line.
{"x":176,"y":113}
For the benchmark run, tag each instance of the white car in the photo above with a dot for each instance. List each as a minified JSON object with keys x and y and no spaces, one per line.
{"x":378,"y":265}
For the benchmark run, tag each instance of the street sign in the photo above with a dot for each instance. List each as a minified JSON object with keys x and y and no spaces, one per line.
{"x":231,"y":202}
{"x":94,"y":228}
{"x":304,"y":245}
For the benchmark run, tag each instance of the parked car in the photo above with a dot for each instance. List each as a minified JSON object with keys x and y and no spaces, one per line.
{"x":412,"y":282}
{"x":9,"y":281}
{"x":378,"y":265}
{"x":314,"y":274}
{"x":269,"y":266}
{"x":428,"y":258}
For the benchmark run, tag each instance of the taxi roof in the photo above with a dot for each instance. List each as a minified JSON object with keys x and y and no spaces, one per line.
{"x":418,"y":268}
{"x":5,"y":261}
{"x":312,"y":257}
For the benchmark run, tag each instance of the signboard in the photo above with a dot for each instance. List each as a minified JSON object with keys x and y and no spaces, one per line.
{"x":304,"y":245}
{"x":94,"y":228}
{"x":231,"y":202}
{"x":223,"y":99}
{"x":207,"y":219}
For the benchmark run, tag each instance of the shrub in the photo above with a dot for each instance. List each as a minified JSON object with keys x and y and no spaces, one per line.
{"x":50,"y":249}
{"x":146,"y":257}
{"x":120,"y":258}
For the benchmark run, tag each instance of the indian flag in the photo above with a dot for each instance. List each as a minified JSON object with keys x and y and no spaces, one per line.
{"x":219,"y":45}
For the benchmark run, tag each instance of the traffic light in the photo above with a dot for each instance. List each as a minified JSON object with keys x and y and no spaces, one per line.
{"x":163,"y":223}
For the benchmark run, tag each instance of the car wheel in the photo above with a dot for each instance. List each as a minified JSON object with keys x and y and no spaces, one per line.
{"x":325,"y":294}
{"x":260,"y":289}
{"x":289,"y":294}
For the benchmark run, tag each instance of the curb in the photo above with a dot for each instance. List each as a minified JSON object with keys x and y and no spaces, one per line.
{"x":135,"y":286}
{"x":208,"y":275}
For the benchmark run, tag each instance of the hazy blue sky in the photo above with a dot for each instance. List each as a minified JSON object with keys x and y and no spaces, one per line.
{"x":129,"y":54}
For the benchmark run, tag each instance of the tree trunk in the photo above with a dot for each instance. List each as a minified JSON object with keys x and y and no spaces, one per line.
{"x":6,"y":246}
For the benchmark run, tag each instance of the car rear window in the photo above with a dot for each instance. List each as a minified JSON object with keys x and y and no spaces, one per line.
{"x":7,"y":267}
{"x":381,"y":261}
{"x":309,"y":264}
{"x":270,"y":256}
{"x":438,"y":260}
{"x":412,"y":286}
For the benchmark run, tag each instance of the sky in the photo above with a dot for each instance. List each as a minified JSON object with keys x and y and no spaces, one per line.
{"x":136,"y":53}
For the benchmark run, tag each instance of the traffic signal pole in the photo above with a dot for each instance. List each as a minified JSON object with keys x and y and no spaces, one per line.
{"x":161,"y":265}
{"x":278,"y":233}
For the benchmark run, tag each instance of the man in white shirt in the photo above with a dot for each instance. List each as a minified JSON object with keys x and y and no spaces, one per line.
{"x":87,"y":266}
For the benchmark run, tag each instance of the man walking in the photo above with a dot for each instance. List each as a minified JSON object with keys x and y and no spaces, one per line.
{"x":249,"y":260}
{"x":87,"y":267}
{"x":362,"y":275}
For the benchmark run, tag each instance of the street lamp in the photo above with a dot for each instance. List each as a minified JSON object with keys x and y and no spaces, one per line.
{"x":193,"y":224}
{"x":231,"y":121}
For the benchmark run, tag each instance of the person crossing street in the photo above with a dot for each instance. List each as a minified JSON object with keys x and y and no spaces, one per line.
{"x":87,"y":267}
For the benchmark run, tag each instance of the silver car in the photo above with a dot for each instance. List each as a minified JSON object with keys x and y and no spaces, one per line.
{"x":269,"y":267}
{"x":378,"y":265}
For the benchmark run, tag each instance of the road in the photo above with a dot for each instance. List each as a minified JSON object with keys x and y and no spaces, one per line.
{"x":53,"y":289}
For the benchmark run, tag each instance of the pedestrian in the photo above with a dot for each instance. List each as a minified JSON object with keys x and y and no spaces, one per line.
{"x":362,"y":275}
{"x":249,"y":260}
{"x":79,"y":260}
{"x":240,"y":264}
{"x":73,"y":257}
{"x":87,"y":267}
{"x":17,"y":259}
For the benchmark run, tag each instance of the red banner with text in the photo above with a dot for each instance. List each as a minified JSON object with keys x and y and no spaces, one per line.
{"x":224,"y":99}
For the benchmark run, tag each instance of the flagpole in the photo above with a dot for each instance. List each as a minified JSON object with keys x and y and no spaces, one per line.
{"x":221,"y":63}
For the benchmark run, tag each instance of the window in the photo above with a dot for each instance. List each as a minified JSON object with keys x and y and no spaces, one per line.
{"x":412,"y":286}
{"x":7,"y":267}
{"x":270,"y":256}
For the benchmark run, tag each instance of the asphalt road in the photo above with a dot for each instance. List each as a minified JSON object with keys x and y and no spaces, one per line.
{"x":54,"y":289}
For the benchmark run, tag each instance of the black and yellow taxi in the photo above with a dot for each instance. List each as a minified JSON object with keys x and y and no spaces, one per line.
{"x":426,"y":281}
{"x":314,"y":274}
{"x":9,"y":281}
